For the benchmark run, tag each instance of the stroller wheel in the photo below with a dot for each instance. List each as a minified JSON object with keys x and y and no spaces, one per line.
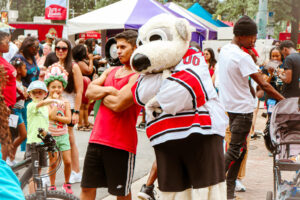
{"x":269,"y":195}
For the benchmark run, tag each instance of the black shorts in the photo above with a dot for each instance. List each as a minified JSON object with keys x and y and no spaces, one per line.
{"x":71,"y":124}
{"x":42,"y":156}
{"x":193,"y":162}
{"x":108,"y":167}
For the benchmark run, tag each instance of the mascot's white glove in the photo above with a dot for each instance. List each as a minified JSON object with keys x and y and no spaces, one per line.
{"x":153,"y":109}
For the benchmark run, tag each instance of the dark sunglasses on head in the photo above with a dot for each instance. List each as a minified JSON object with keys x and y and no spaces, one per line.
{"x":61,"y":48}
{"x":17,"y":61}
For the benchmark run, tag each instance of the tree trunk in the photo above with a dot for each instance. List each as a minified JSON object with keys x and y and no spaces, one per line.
{"x":295,"y":22}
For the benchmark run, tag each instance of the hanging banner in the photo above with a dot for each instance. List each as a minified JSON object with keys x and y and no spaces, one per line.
{"x":56,"y":9}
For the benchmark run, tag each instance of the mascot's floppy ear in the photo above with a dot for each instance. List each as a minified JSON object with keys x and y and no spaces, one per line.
{"x":183,"y":28}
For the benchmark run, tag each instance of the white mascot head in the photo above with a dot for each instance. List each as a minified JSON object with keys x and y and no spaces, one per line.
{"x":162,"y":42}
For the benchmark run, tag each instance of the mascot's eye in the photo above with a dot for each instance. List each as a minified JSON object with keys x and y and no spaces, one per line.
{"x":156,"y":34}
{"x":140,"y":43}
{"x":155,"y":37}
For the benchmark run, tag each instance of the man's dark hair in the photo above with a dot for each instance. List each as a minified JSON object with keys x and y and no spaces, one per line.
{"x":287,"y":44}
{"x":130,"y":36}
{"x":3,"y":35}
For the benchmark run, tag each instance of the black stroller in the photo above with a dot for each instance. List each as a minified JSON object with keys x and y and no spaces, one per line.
{"x":285,"y":137}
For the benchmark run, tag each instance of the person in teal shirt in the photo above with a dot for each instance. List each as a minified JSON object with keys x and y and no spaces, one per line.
{"x":10,"y":188}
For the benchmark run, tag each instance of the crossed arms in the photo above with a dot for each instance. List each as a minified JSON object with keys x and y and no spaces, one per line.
{"x":114,"y":99}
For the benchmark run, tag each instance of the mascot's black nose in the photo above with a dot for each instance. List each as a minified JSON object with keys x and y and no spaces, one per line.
{"x":140,"y":62}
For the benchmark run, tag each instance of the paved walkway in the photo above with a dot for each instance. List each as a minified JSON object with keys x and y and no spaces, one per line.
{"x":258,"y":180}
{"x":259,"y":172}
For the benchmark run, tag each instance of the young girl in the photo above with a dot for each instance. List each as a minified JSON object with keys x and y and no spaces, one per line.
{"x":59,"y":116}
{"x":19,"y":107}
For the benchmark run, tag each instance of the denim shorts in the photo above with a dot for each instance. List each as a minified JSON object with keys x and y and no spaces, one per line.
{"x":18,"y":112}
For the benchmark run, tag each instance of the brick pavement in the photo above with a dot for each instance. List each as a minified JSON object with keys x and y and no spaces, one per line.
{"x":259,"y":168}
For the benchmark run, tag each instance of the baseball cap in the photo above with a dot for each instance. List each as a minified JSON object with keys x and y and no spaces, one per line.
{"x":37,"y":85}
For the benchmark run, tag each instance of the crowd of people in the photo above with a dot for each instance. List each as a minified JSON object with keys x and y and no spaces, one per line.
{"x":54,"y":86}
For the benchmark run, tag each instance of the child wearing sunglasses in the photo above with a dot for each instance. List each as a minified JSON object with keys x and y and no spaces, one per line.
{"x":19,"y":109}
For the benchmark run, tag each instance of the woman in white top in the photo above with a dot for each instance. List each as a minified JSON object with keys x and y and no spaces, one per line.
{"x":73,"y":92}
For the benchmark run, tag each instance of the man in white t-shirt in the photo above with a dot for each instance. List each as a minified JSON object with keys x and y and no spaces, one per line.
{"x":235,"y":68}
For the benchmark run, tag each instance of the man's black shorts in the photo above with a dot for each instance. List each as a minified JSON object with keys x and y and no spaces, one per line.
{"x":193,"y":162}
{"x":108,"y":167}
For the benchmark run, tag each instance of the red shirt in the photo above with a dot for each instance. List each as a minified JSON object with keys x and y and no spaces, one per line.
{"x":116,"y":129}
{"x":10,"y":90}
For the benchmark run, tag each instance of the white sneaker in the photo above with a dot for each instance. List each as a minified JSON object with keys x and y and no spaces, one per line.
{"x":10,"y":163}
{"x":239,"y":187}
{"x":75,"y":177}
{"x":46,"y":181}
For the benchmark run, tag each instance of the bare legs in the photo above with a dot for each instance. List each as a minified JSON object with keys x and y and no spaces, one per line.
{"x":90,"y":194}
{"x":21,"y":137}
{"x":153,"y":174}
{"x":74,"y":151}
{"x":84,"y":116}
{"x":66,"y":155}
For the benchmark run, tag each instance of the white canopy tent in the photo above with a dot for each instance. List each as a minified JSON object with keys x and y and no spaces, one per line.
{"x":112,"y":16}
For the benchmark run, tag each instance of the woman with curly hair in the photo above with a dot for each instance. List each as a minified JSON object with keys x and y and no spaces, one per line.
{"x":9,"y":183}
{"x":9,"y":90}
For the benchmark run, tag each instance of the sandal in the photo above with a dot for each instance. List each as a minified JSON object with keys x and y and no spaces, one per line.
{"x":81,"y":128}
{"x":90,"y":126}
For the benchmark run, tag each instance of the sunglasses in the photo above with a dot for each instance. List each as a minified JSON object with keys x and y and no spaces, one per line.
{"x":64,"y":49}
{"x":18,"y":61}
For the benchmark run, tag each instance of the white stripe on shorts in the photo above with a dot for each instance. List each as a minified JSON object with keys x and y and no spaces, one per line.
{"x":130,"y":170}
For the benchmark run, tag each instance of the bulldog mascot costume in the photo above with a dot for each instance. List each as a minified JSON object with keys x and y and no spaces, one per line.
{"x":185,"y":121}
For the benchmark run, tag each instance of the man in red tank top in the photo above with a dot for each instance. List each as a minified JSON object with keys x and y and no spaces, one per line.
{"x":110,"y":157}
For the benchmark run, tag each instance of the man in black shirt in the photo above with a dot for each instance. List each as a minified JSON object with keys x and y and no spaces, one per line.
{"x":291,"y":74}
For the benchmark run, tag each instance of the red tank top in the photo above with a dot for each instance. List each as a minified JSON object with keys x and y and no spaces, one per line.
{"x":116,"y":129}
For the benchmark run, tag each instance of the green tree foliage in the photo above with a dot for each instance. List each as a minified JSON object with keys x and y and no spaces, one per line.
{"x":209,"y":5}
{"x":285,"y":10}
{"x":231,"y":9}
{"x":30,"y":8}
{"x":27,"y":8}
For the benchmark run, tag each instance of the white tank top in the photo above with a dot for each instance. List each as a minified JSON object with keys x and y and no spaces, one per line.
{"x":70,"y":97}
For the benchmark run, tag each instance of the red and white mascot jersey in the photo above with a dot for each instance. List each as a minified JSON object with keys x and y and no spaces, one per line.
{"x":190,"y":107}
{"x":188,"y":100}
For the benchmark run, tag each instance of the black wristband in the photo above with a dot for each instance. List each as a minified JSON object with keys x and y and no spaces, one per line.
{"x":76,"y":111}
